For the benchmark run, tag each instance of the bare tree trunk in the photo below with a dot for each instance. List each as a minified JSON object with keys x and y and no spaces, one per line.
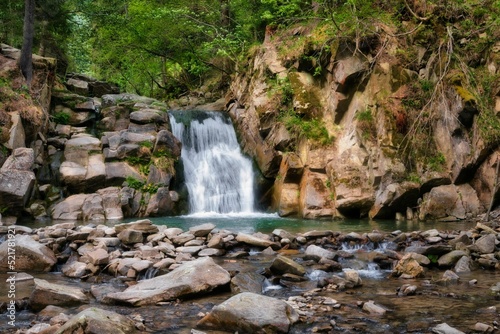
{"x":25,"y":60}
{"x":493,"y":193}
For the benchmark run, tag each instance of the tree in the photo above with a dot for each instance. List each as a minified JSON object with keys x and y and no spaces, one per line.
{"x":25,"y":60}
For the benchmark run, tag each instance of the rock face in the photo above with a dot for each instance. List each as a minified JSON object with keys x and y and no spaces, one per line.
{"x":201,"y":275}
{"x":30,"y":255}
{"x":360,"y":167}
{"x":98,"y":321}
{"x":251,"y":313}
{"x":17,"y":179}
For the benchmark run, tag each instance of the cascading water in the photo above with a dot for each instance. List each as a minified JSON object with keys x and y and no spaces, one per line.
{"x":218,"y":177}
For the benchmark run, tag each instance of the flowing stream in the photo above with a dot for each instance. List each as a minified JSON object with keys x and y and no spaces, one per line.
{"x":219,"y":178}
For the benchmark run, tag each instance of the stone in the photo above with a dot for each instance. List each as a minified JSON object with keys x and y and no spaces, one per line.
{"x":144,"y":225}
{"x":201,"y":230}
{"x":393,"y":198}
{"x":117,"y":173}
{"x":167,"y":143}
{"x":197,"y":276}
{"x":247,"y":281}
{"x":352,"y":277}
{"x":17,"y":136}
{"x":283,"y":265}
{"x":130,"y":236}
{"x":444,"y":328}
{"x":407,"y":290}
{"x":144,"y":116}
{"x":79,"y":87}
{"x":16,"y":187}
{"x":111,"y":203}
{"x":373,"y":308}
{"x":450,"y":202}
{"x":253,"y":240}
{"x":315,"y":197}
{"x":212,"y":252}
{"x":95,"y":320}
{"x":408,"y":267}
{"x":463,"y":265}
{"x":70,"y":208}
{"x":46,"y":293}
{"x":449,"y":259}
{"x":21,"y":159}
{"x":97,"y":257}
{"x":160,"y":203}
{"x":30,"y":255}
{"x":74,"y":269}
{"x":317,"y":253}
{"x":286,"y":199}
{"x":251,"y":313}
{"x":485,"y":244}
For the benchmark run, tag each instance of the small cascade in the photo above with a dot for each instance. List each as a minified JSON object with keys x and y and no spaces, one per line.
{"x":149,"y":273}
{"x":219,"y":178}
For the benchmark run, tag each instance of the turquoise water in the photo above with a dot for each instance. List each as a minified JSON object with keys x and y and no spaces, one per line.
{"x":266,"y":223}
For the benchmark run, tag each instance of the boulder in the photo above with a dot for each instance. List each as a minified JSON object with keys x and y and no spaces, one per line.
{"x":247,"y":282}
{"x":395,"y":197}
{"x":373,"y":308}
{"x":30,"y":255}
{"x":283,"y":265}
{"x":317,"y":253}
{"x":198,"y":276}
{"x":166,"y":143}
{"x":449,"y":259}
{"x":74,"y":269}
{"x":316,"y":199}
{"x":201,"y":230}
{"x":144,"y":116}
{"x":160,"y":203}
{"x":20,"y":159}
{"x":450,"y":202}
{"x":17,"y":136}
{"x":444,"y":328}
{"x":253,"y":240}
{"x":94,"y":320}
{"x":15,"y":188}
{"x":46,"y":293}
{"x":251,"y":313}
{"x":111,"y":202}
{"x":408,"y":267}
{"x":485,"y":244}
{"x":70,"y":208}
{"x":117,"y":172}
{"x":143,"y":225}
{"x":285,"y":198}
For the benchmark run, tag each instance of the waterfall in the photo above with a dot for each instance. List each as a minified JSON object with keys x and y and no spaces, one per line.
{"x":219,"y":178}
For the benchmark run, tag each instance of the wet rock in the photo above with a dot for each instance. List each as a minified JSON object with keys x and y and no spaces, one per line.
{"x":463,"y":265}
{"x":451,"y":258}
{"x":251,"y":313}
{"x":130,"y":236}
{"x":98,"y":321}
{"x":484,"y":328}
{"x":450,"y":277}
{"x":408,"y":267}
{"x":352,"y":278}
{"x":30,"y":255}
{"x":485,"y":244}
{"x":283,"y":265}
{"x":407,"y":290}
{"x":211,"y":252}
{"x":444,"y":328}
{"x":202,"y":230}
{"x":247,"y":282}
{"x":254,"y":241}
{"x":201,"y":275}
{"x":74,"y":269}
{"x":373,"y":308}
{"x":143,"y":225}
{"x":317,"y":253}
{"x":46,"y":293}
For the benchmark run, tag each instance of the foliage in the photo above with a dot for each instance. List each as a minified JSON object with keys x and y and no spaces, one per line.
{"x":61,"y":118}
{"x":312,"y":129}
{"x":150,"y":188}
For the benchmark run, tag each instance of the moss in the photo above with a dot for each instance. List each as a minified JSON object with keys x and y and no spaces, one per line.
{"x":465,"y":94}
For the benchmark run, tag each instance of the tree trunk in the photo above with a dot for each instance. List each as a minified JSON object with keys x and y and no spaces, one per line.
{"x":25,"y":60}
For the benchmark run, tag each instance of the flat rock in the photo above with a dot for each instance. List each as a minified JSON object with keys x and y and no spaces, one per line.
{"x":198,"y":276}
{"x":254,"y":241}
{"x":143,"y":225}
{"x":46,"y":293}
{"x":202,"y":230}
{"x":444,"y":328}
{"x":317,"y":252}
{"x":284,"y":265}
{"x":98,"y":321}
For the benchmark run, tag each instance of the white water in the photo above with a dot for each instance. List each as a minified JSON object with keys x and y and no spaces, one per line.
{"x":218,"y":177}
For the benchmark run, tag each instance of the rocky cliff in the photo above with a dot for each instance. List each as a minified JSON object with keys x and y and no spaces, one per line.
{"x":382,"y":126}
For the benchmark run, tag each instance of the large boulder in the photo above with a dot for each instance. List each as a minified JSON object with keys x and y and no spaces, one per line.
{"x":30,"y":255}
{"x":198,"y":276}
{"x":17,"y":179}
{"x":316,"y":199}
{"x":251,"y":313}
{"x":450,"y":202}
{"x":98,"y":321}
{"x":46,"y":293}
